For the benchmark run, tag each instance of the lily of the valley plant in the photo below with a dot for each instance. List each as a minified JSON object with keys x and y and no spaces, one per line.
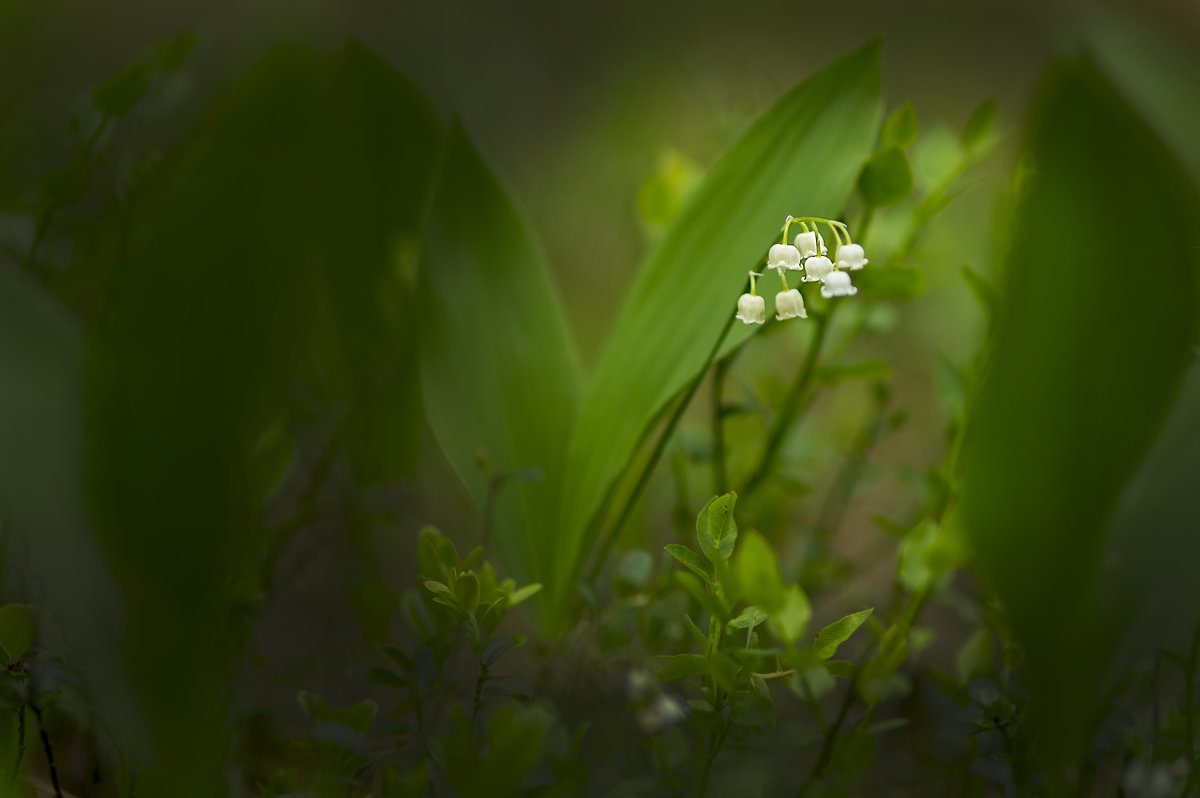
{"x":807,"y":254}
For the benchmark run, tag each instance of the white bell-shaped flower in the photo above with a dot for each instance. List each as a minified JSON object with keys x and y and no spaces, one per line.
{"x":815,"y":269}
{"x":807,"y":243}
{"x":850,"y":257}
{"x":783,"y":256}
{"x":789,"y":305}
{"x":752,"y":309}
{"x":837,"y":284}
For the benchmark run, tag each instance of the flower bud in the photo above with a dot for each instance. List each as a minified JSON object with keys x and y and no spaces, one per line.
{"x":850,"y":257}
{"x":783,"y":256}
{"x":837,"y":284}
{"x":789,"y":305}
{"x":807,"y":244}
{"x":815,"y":269}
{"x":752,"y":309}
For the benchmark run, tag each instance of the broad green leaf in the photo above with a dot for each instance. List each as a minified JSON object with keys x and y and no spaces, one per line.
{"x":16,"y":631}
{"x":682,"y":666}
{"x":900,"y":128}
{"x":886,"y":178}
{"x":716,"y":529}
{"x":801,"y":157}
{"x":1071,"y":400}
{"x":1148,"y":596}
{"x":237,"y":254}
{"x":838,"y":632}
{"x":498,"y":369}
{"x":700,"y":566}
{"x":757,"y":570}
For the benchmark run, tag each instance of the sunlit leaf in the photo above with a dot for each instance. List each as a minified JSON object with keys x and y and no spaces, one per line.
{"x":801,"y":157}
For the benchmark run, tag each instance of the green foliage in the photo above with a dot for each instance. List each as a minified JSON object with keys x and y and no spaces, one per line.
{"x":715,"y":528}
{"x":832,"y":636}
{"x":804,"y":151}
{"x":900,"y":128}
{"x":480,"y":269}
{"x":886,"y":178}
{"x":1043,"y":553}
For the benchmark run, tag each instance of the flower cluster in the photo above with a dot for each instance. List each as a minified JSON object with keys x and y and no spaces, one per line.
{"x":807,"y":254}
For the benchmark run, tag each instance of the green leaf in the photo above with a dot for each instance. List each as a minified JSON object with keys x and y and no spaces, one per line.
{"x":838,"y":632}
{"x":981,"y":288}
{"x":16,"y":631}
{"x":700,"y":566}
{"x":900,"y":129}
{"x":894,"y":283}
{"x":682,"y":666}
{"x":481,"y":270}
{"x":715,"y":528}
{"x":800,"y":157}
{"x":1153,"y":67}
{"x":757,"y":570}
{"x":496,"y":648}
{"x":466,"y":591}
{"x":979,"y":125}
{"x":523,"y":593}
{"x":1068,"y":448}
{"x":791,"y":620}
{"x":886,"y":178}
{"x":118,"y":94}
{"x":750,"y":617}
{"x":498,"y":686}
{"x":67,"y":184}
{"x":702,"y":594}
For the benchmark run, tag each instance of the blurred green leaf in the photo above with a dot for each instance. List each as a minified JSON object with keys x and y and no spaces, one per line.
{"x":895,"y":283}
{"x":692,"y":560}
{"x":791,"y":620}
{"x":496,"y":649}
{"x":801,"y":156}
{"x":981,"y":287}
{"x":1072,"y":400}
{"x":716,"y":528}
{"x":979,"y":125}
{"x":832,"y":636}
{"x":16,"y":631}
{"x":900,"y":128}
{"x":1155,"y":69}
{"x":757,"y":570}
{"x":481,"y":271}
{"x":886,"y":178}
{"x":118,"y":94}
{"x":682,"y":666}
{"x":241,"y":250}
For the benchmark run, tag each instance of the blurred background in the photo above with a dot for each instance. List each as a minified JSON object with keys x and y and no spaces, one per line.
{"x":585,"y":111}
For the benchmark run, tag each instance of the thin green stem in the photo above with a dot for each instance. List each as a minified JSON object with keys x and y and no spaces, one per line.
{"x":660,"y":446}
{"x":719,"y":477}
{"x":837,"y":498}
{"x":791,"y":404}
